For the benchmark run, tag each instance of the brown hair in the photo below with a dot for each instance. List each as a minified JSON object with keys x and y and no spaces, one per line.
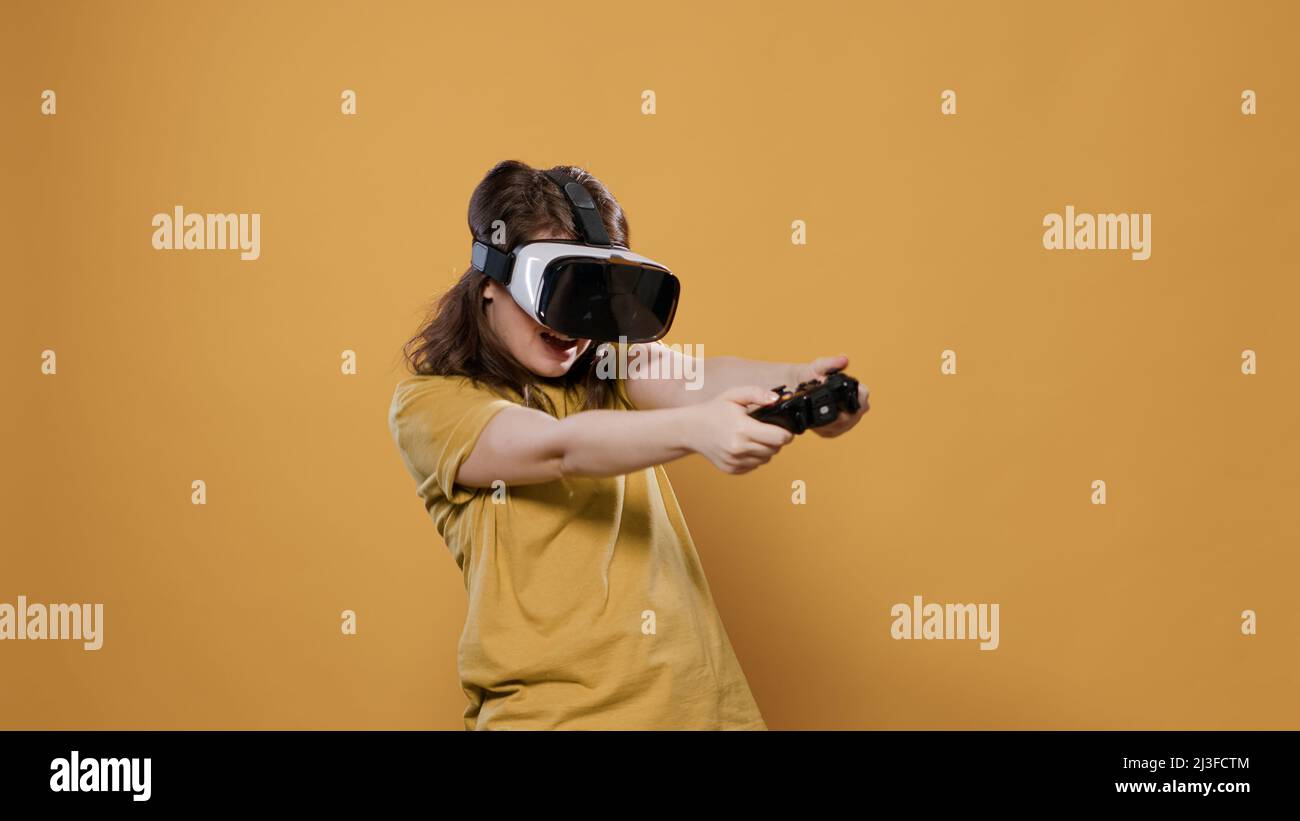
{"x":456,"y":339}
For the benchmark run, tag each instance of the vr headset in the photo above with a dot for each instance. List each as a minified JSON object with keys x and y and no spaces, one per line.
{"x":588,"y":288}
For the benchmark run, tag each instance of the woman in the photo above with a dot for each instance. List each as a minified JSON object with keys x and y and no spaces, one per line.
{"x":588,"y":605}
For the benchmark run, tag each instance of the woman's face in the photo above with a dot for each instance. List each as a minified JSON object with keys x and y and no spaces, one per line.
{"x":539,"y":349}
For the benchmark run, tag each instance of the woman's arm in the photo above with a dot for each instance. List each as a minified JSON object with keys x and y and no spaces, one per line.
{"x":526,"y":446}
{"x":678,"y":381}
{"x":660,"y":377}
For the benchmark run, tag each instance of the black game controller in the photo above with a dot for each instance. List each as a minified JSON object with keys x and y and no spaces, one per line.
{"x":811,"y":404}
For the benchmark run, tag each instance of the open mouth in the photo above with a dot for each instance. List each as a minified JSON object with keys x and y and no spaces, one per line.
{"x":559,"y":342}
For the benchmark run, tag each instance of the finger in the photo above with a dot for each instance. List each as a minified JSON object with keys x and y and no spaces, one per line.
{"x":748,"y":463}
{"x":773,"y":435}
{"x":756,"y":450}
{"x":749,"y":395}
{"x":825,"y":364}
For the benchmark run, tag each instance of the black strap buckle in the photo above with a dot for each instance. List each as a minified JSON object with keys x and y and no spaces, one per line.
{"x":496,"y":264}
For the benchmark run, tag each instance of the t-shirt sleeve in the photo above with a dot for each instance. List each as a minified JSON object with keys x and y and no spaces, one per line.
{"x":436,"y":421}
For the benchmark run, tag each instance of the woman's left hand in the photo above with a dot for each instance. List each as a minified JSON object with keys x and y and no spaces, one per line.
{"x":817,"y":369}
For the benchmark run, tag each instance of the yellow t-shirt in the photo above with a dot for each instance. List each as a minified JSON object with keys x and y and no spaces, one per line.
{"x":588,"y":606}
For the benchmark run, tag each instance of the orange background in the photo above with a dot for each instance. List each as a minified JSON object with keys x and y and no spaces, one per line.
{"x":924,"y":233}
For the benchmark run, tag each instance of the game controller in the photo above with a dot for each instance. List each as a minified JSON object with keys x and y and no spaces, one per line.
{"x":811,"y":404}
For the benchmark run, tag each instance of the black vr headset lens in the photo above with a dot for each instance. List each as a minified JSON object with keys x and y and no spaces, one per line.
{"x":608,"y":299}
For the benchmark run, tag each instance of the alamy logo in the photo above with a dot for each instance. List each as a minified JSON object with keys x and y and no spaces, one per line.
{"x":656,"y":361}
{"x":1087,"y":232}
{"x":81,"y":622}
{"x":75,"y":774}
{"x":208,"y":232}
{"x":946,"y":621}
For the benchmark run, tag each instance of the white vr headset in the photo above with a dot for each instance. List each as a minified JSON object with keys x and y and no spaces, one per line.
{"x":587,"y":289}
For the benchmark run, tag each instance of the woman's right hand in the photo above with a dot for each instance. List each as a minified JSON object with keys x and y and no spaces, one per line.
{"x":722,"y":430}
